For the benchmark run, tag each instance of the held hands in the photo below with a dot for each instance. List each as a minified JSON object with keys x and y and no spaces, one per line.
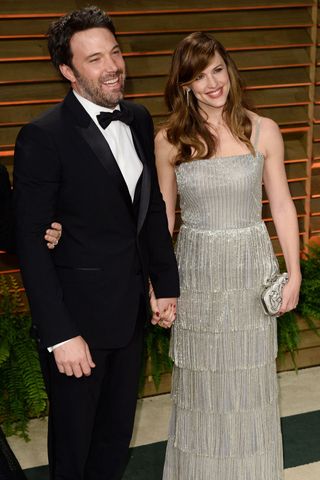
{"x":163,"y":310}
{"x":290,"y":295}
{"x":74,"y":358}
{"x":53,"y":235}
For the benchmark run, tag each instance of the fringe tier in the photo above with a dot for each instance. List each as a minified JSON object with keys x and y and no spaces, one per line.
{"x":215,"y":435}
{"x":225,"y":260}
{"x":184,"y":466}
{"x":224,"y":392}
{"x":223,"y":352}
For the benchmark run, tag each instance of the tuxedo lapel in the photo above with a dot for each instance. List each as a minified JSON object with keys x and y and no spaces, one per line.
{"x":145,"y":181}
{"x":101,"y":149}
{"x":97,"y":143}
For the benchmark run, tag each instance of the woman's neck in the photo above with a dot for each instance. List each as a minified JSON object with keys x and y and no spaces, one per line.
{"x":214,"y":116}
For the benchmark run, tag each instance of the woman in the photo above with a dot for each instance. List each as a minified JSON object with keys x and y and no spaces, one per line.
{"x":215,"y":152}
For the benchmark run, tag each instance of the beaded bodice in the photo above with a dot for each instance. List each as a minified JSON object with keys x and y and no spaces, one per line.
{"x":221,"y":193}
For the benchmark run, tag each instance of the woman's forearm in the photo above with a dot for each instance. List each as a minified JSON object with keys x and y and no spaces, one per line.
{"x":286,"y":223}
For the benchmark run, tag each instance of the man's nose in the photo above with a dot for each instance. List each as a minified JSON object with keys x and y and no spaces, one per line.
{"x":110,"y":65}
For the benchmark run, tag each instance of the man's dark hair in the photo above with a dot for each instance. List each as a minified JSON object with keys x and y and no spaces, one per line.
{"x":61,"y":31}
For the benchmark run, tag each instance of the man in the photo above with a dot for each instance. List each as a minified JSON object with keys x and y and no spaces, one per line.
{"x":89,"y":295}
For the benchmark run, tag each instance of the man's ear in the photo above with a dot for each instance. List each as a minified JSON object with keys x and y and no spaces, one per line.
{"x":67,"y":72}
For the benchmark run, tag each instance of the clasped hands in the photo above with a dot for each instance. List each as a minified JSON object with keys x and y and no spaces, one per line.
{"x":163,"y":310}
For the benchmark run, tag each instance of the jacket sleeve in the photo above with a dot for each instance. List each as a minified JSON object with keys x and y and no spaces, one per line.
{"x":162,"y":261}
{"x":37,"y":174}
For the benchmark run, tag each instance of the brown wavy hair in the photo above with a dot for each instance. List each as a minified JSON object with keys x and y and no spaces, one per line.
{"x":186,"y":128}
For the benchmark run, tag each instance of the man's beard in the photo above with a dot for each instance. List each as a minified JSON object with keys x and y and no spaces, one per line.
{"x":92,"y":91}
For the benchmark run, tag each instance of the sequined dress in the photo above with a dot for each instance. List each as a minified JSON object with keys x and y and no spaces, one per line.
{"x":225,"y":421}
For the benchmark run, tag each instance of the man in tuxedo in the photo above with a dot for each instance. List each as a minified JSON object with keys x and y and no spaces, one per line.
{"x":89,"y":164}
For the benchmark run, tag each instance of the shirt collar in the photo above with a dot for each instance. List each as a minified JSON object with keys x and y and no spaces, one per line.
{"x":92,"y":108}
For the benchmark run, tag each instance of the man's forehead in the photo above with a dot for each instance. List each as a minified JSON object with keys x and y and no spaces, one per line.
{"x":86,"y":39}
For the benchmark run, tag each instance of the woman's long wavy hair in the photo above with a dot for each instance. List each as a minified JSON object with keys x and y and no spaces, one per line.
{"x":186,"y":128}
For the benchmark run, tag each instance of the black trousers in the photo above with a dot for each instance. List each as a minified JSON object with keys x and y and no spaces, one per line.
{"x":91,"y":418}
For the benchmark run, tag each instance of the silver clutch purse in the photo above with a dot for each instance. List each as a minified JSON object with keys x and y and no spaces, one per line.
{"x":271,"y":296}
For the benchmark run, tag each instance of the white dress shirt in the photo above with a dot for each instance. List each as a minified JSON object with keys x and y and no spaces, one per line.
{"x":119,"y":138}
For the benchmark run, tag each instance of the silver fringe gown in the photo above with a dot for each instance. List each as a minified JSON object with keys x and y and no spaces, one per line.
{"x":225,"y":422}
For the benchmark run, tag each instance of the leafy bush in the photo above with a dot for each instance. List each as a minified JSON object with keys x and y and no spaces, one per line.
{"x":308,"y":307}
{"x":288,"y":336}
{"x":156,"y":358}
{"x":309,"y":304}
{"x":22,"y":390}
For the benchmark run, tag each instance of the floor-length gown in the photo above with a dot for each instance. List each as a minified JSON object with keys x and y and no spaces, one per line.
{"x":225,"y":422}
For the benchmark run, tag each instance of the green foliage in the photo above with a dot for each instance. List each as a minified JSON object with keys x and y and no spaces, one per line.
{"x":22,"y":390}
{"x":156,"y":350}
{"x":309,"y":303}
{"x":288,"y":336}
{"x":308,"y":307}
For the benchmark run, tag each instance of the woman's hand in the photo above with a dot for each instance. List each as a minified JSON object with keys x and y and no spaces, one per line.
{"x":290,"y":295}
{"x":164,"y":320}
{"x":53,"y":235}
{"x":168,"y":317}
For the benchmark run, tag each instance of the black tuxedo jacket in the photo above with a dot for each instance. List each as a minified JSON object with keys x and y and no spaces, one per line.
{"x":91,"y":283}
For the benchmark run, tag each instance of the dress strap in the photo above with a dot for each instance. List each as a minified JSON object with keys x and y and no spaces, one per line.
{"x":256,"y":133}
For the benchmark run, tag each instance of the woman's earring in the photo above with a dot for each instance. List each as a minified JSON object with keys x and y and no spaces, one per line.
{"x":188,"y":90}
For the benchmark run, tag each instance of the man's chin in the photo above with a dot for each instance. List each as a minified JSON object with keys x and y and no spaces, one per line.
{"x":110,"y":101}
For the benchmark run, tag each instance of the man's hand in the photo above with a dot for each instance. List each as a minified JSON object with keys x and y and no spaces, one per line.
{"x":154,"y":308}
{"x":74,"y":358}
{"x":53,"y":235}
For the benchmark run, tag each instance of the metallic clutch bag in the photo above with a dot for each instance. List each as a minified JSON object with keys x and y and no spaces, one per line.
{"x":271,"y":296}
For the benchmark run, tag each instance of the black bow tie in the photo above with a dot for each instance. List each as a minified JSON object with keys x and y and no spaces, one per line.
{"x":105,"y":118}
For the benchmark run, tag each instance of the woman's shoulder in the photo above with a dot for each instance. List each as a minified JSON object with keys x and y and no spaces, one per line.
{"x":266,"y":133}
